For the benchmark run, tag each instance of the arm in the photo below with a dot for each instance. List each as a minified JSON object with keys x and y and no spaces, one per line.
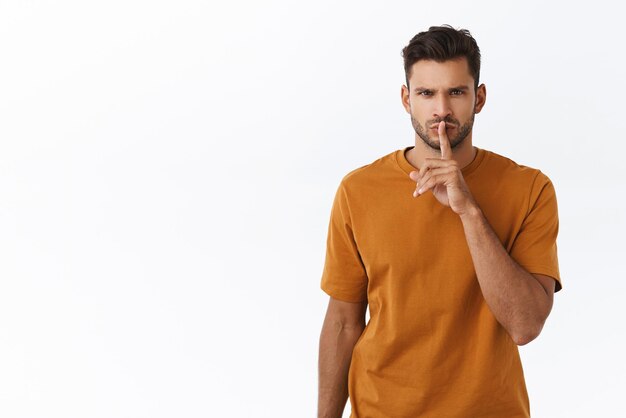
{"x":343,"y":325}
{"x":520,"y":301}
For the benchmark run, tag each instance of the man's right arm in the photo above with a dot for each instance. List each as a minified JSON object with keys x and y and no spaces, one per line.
{"x":343,"y":325}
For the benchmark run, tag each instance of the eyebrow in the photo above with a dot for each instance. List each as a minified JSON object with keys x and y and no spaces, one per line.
{"x":419,"y":88}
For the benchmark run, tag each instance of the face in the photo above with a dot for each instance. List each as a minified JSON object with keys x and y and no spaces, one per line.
{"x":442,"y":91}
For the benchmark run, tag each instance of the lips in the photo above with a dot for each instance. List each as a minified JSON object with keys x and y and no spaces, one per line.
{"x":448,"y":126}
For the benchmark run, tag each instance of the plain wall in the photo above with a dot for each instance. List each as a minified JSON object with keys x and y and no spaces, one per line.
{"x":167,"y":171}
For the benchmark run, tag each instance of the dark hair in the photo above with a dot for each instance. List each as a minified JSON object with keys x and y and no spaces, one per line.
{"x":442,"y":43}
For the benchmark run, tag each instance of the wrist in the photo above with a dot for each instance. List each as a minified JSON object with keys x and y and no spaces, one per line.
{"x":472,"y":213}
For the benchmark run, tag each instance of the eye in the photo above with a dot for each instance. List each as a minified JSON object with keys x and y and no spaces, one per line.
{"x":460,"y":92}
{"x":424,"y":93}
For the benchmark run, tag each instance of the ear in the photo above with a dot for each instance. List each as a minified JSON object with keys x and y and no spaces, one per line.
{"x":481,"y":97}
{"x":404,"y":96}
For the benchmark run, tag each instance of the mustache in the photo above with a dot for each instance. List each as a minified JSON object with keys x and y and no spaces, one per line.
{"x":434,"y":123}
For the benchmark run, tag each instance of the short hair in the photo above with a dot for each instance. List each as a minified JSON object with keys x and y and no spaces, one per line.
{"x":442,"y":43}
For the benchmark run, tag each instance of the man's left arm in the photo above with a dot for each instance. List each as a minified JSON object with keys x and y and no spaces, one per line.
{"x":519,"y":300}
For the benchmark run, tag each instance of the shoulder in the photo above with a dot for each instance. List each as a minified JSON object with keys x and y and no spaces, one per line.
{"x":516,"y":185}
{"x":513,"y":173}
{"x":369,"y":174}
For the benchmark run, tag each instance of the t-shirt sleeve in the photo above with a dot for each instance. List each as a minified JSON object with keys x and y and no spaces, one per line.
{"x":344,"y":276}
{"x":535,"y":247}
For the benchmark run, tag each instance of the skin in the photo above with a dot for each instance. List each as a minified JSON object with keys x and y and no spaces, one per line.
{"x":343,"y":325}
{"x":519,"y":300}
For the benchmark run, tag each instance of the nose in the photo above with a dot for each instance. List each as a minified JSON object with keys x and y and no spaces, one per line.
{"x":442,"y":108}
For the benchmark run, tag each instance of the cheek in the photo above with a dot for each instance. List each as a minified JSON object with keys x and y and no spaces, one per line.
{"x":420,"y":112}
{"x":464,"y":112}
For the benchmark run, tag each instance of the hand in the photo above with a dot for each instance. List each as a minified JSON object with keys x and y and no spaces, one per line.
{"x":444,"y":178}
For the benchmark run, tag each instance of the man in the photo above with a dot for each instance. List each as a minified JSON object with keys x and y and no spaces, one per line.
{"x":454,"y":249}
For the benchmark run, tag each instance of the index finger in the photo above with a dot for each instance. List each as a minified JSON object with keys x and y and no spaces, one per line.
{"x":444,"y":142}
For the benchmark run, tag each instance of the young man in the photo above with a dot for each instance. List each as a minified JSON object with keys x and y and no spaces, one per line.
{"x":454,"y":249}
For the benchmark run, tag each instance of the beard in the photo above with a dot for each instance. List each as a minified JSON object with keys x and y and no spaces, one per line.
{"x":455,"y":141}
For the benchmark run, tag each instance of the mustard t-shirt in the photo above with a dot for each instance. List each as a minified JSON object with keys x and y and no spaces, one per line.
{"x":432,"y":347}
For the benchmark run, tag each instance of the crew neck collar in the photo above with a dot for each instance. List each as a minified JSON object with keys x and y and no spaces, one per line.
{"x":406,"y":166}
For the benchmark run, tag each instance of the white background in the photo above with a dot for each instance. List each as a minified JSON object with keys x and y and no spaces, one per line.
{"x":167,"y":171}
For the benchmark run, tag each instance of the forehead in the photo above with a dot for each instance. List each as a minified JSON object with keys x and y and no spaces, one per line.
{"x":431,"y":73}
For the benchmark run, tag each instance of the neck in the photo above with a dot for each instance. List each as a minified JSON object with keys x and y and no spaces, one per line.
{"x":463,"y":154}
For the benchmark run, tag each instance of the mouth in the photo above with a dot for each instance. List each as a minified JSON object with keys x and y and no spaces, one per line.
{"x":435,"y":127}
